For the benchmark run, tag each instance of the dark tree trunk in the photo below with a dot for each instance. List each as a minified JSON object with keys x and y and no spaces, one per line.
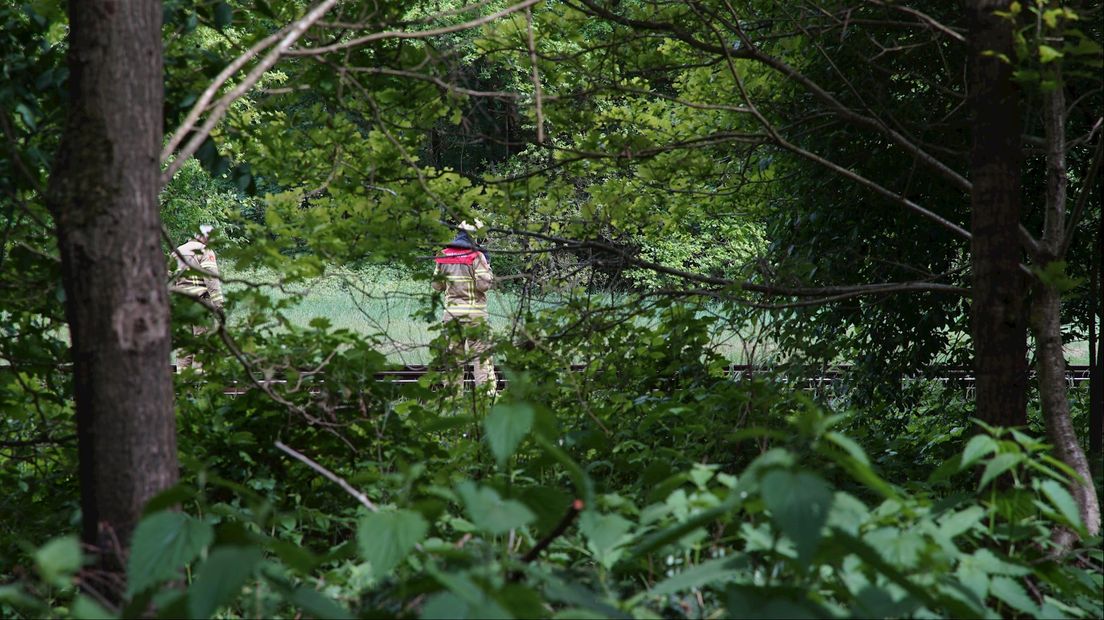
{"x":103,"y":196}
{"x":999,"y":321}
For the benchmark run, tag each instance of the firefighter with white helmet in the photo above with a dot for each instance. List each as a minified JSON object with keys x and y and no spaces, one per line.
{"x":197,"y":276}
{"x":463,"y":273}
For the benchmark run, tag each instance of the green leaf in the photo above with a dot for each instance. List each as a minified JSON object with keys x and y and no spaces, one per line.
{"x":13,"y":594}
{"x":167,"y":499}
{"x":799,"y":504}
{"x":847,"y":513}
{"x":1050,"y":18}
{"x":781,"y":602}
{"x":163,"y":543}
{"x":1048,"y":54}
{"x":978,"y":447}
{"x":220,"y":578}
{"x":1011,"y":592}
{"x":848,"y":444}
{"x":385,"y":538}
{"x":445,"y":606}
{"x":655,"y":540}
{"x":1000,"y":464}
{"x":1054,"y":274}
{"x":713,"y":572}
{"x":987,"y":561}
{"x":506,"y":426}
{"x":84,"y":608}
{"x":959,"y":522}
{"x":489,"y":512}
{"x":1063,"y":501}
{"x":27,"y":116}
{"x":318,"y":605}
{"x":58,"y":559}
{"x":605,"y":534}
{"x":470,"y":601}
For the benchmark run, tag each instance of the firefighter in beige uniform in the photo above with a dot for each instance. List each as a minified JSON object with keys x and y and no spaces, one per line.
{"x":197,"y":276}
{"x":464,"y":274}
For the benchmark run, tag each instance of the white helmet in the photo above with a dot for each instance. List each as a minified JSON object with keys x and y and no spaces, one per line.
{"x":205,"y":230}
{"x":470,"y":227}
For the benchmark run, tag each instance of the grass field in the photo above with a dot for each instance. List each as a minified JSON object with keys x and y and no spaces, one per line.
{"x":388,"y":307}
{"x":393,"y":308}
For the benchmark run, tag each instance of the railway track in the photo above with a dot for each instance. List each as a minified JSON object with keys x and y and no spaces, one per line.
{"x":958,"y":377}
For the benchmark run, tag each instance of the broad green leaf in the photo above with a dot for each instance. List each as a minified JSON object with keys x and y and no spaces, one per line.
{"x":84,"y":608}
{"x":163,"y":543}
{"x":605,"y":534}
{"x":1048,"y":54}
{"x":506,"y":426}
{"x":1050,"y":17}
{"x":470,"y":601}
{"x":318,"y":605}
{"x":973,"y":578}
{"x":58,"y":559}
{"x":847,"y":513}
{"x":986,"y":560}
{"x":489,"y":512}
{"x":877,"y":602}
{"x":1011,"y":592}
{"x":575,"y":595}
{"x":655,"y":540}
{"x":978,"y":447}
{"x":220,"y":578}
{"x":901,"y":548}
{"x":799,"y":504}
{"x":848,"y":444}
{"x":958,"y":522}
{"x":1000,"y":464}
{"x":385,"y":538}
{"x":1063,"y":501}
{"x":781,"y":602}
{"x":445,"y":606}
{"x":13,"y":594}
{"x":714,"y":572}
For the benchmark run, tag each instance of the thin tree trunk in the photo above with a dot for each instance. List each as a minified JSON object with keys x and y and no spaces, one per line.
{"x":1046,"y":320}
{"x":998,"y":318}
{"x":103,"y":196}
{"x":1051,"y":367}
{"x":1096,"y":349}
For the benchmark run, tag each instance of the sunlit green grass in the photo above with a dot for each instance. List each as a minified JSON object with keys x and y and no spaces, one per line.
{"x":392,"y":307}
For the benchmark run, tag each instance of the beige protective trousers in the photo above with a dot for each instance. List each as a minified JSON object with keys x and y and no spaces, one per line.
{"x":468,"y":342}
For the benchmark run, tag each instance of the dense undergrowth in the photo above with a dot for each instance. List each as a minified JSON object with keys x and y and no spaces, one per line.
{"x":649,"y":485}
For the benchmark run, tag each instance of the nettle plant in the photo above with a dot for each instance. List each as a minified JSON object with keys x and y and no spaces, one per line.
{"x":807,"y":529}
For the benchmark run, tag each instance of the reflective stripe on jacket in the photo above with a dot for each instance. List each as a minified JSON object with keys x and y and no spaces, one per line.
{"x":197,"y":256}
{"x":466,"y":279}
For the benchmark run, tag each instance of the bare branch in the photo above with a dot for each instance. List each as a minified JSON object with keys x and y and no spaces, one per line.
{"x":927,"y":19}
{"x":345,"y":486}
{"x":746,"y":285}
{"x":414,"y":75}
{"x":793,"y":148}
{"x":1087,"y":186}
{"x":418,"y":34}
{"x":290,"y":35}
{"x":200,"y":106}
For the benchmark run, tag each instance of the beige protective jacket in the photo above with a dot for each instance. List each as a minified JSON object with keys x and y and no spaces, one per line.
{"x":197,"y":272}
{"x":466,"y":279}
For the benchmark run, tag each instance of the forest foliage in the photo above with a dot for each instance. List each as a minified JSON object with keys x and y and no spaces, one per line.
{"x":639,"y":200}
